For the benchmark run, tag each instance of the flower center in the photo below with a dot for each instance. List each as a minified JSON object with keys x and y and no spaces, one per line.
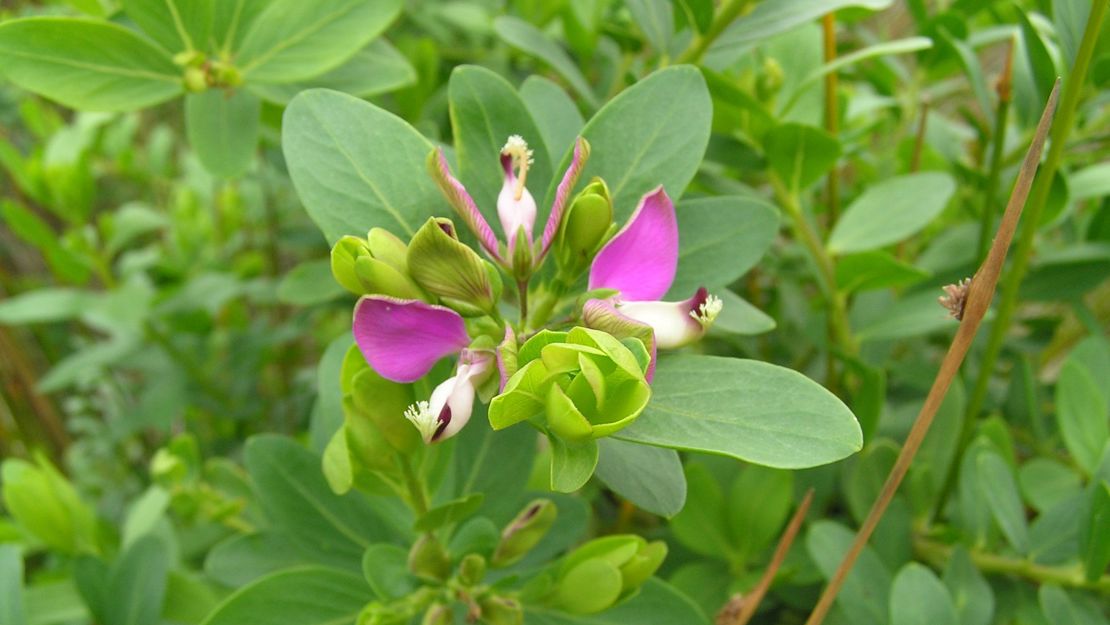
{"x":420,"y":414}
{"x":517,"y":148}
{"x":708,"y":310}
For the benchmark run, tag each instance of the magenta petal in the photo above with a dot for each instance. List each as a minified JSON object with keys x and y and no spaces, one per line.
{"x":403,"y":339}
{"x":563,"y":191}
{"x":640,"y":261}
{"x":461,"y":201}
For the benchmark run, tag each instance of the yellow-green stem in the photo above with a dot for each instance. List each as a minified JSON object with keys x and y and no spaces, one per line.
{"x":729,"y":11}
{"x":938,"y":553}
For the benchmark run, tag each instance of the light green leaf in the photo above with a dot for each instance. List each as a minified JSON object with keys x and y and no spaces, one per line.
{"x":485,"y":111}
{"x":297,"y":500}
{"x":493,"y":462}
{"x":657,"y":603}
{"x":891,"y":211}
{"x":737,"y":316}
{"x":231,"y":20}
{"x":292,"y":40}
{"x":309,"y":595}
{"x":865,"y":595}
{"x":970,"y":591}
{"x":998,"y":487}
{"x":44,"y":306}
{"x":385,"y":568}
{"x":656,"y":21}
{"x":309,"y":283}
{"x":87,"y":65}
{"x":875,"y":269}
{"x":719,"y":240}
{"x":1090,"y":182}
{"x":55,"y":602}
{"x":919,"y":598}
{"x":531,"y":40}
{"x":137,"y":583}
{"x":243,"y":558}
{"x":1081,"y":411}
{"x":747,"y":409}
{"x":1046,"y":482}
{"x":12,"y":611}
{"x":378,"y":68}
{"x":144,"y":514}
{"x":333,"y":145}
{"x":654,"y":133}
{"x":223,"y":129}
{"x":759,"y":503}
{"x":1062,"y":608}
{"x":554,"y":112}
{"x":772,"y":18}
{"x":800,"y":154}
{"x":176,"y":25}
{"x":572,"y":463}
{"x":327,"y":413}
{"x":649,"y":477}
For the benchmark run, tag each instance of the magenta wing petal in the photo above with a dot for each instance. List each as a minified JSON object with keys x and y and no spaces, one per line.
{"x":403,"y":339}
{"x":641,"y":260}
{"x":461,"y":201}
{"x":563,"y":191}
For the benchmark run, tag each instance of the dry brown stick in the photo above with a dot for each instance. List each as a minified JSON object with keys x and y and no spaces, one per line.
{"x":750,"y":602}
{"x":979,"y":293}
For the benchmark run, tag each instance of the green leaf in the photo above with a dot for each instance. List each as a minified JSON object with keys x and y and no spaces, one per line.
{"x":223,"y":129}
{"x":376,"y":69}
{"x":231,"y":19}
{"x":54,"y":602}
{"x":291,"y":40}
{"x":333,"y":145}
{"x":308,"y":284}
{"x":385,"y":568}
{"x":865,"y":595}
{"x":919,"y":598}
{"x":654,"y":133}
{"x":938,"y":450}
{"x":876,"y":269}
{"x":493,"y":462}
{"x":46,"y":505}
{"x":176,"y":25}
{"x":137,"y":584}
{"x":485,"y":111}
{"x":1045,"y":482}
{"x":971,"y":593}
{"x":241,"y":559}
{"x":699,"y":13}
{"x":554,"y":112}
{"x":450,"y":512}
{"x":1094,"y":534}
{"x":772,"y":18}
{"x":1081,"y":411}
{"x":891,"y":211}
{"x":12,"y":611}
{"x":737,"y":316}
{"x":44,"y":306}
{"x":87,"y":65}
{"x":649,"y":477}
{"x":1089,"y":182}
{"x":531,"y":40}
{"x":1062,"y":608}
{"x":144,"y":514}
{"x":657,"y":603}
{"x":759,"y":503}
{"x":719,"y":240}
{"x":800,"y":154}
{"x":747,"y":409}
{"x":998,"y":487}
{"x":572,"y":463}
{"x":656,"y":21}
{"x":310,"y":595}
{"x":297,"y":500}
{"x":701,"y":526}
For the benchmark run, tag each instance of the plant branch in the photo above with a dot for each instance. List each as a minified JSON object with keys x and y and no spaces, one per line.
{"x":1069,"y":102}
{"x":729,"y":11}
{"x":938,"y":553}
{"x":978,"y":299}
{"x":750,"y":603}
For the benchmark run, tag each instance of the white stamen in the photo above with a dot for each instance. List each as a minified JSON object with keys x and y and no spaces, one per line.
{"x":707,"y":312}
{"x":517,"y":147}
{"x":420,"y":414}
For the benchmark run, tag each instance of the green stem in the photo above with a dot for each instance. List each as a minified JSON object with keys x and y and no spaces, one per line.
{"x":938,"y":553}
{"x":522,"y":293}
{"x":1069,"y":102}
{"x":729,"y":11}
{"x":839,"y":329}
{"x":998,"y":141}
{"x":418,"y":499}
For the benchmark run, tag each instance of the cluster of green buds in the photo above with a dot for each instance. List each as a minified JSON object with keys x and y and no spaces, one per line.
{"x":599,"y":574}
{"x":202,"y":72}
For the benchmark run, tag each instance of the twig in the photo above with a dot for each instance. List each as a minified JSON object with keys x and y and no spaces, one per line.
{"x":832,"y":118}
{"x":979,"y":293}
{"x":750,"y":603}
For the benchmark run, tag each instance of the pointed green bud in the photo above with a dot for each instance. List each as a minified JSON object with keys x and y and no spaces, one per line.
{"x":379,"y":278}
{"x":344,"y":254}
{"x":522,"y":257}
{"x":589,"y":587}
{"x":448,"y":269}
{"x":429,"y":560}
{"x":524,"y":532}
{"x":472,"y":569}
{"x":377,"y":613}
{"x":614,"y":567}
{"x":226,"y":75}
{"x":388,"y":248}
{"x":640,"y":567}
{"x":501,"y":611}
{"x":438,"y":614}
{"x":585,"y":228}
{"x":196,"y":79}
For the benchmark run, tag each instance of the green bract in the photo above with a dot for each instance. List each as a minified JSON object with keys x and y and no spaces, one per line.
{"x":605,"y":571}
{"x":577,"y":385}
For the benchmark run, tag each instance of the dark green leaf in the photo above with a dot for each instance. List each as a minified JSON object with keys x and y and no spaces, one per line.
{"x":308,"y":284}
{"x":799,"y":154}
{"x":530,"y":40}
{"x":554,"y":112}
{"x":971,"y":594}
{"x":12,"y":611}
{"x":998,"y":487}
{"x":918,"y":598}
{"x":137,"y":585}
{"x":875,"y":269}
{"x":450,"y":512}
{"x":241,"y":559}
{"x":386,"y":570}
{"x":720,"y":239}
{"x":702,"y":526}
{"x":649,"y":477}
{"x":310,"y":595}
{"x":378,"y":68}
{"x":223,"y":129}
{"x":865,"y":595}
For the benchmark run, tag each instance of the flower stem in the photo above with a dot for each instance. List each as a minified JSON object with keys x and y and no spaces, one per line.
{"x":418,"y":499}
{"x":522,"y":293}
{"x":1069,"y":102}
{"x":729,"y":11}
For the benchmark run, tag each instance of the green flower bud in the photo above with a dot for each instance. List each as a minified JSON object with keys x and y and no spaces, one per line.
{"x":604,"y":571}
{"x":189,"y":58}
{"x":380,"y":614}
{"x":373,"y":266}
{"x":523,"y":256}
{"x":578,"y":385}
{"x":344,"y":254}
{"x":429,"y":560}
{"x":388,"y":248}
{"x":586,"y":226}
{"x":196,"y":79}
{"x":501,"y":611}
{"x":472,"y":569}
{"x":448,"y":269}
{"x":226,"y":75}
{"x":438,"y":614}
{"x":524,"y":532}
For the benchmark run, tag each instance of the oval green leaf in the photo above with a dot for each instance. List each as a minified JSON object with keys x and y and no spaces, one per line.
{"x":310,"y":595}
{"x":919,"y":598}
{"x":649,"y":477}
{"x":719,"y":240}
{"x":751,"y":410}
{"x":891,"y":211}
